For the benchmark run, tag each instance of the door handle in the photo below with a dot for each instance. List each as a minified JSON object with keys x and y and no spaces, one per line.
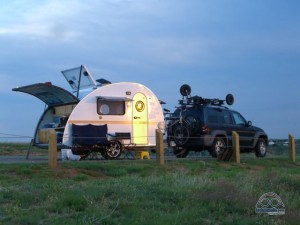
{"x":136,"y":117}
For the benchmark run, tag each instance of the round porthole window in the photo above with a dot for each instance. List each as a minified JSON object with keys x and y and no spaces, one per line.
{"x":104,"y":109}
{"x":139,"y":106}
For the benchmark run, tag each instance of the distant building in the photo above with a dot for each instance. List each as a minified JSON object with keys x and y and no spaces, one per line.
{"x":271,"y":142}
{"x":286,"y":143}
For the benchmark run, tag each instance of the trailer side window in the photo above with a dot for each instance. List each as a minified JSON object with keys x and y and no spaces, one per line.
{"x":106,"y":107}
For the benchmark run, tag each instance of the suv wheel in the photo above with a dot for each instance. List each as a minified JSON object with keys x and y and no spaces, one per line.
{"x":218,"y":147}
{"x":261,"y":148}
{"x":181,"y":152}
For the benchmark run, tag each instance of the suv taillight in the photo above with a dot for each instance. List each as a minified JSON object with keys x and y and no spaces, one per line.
{"x":205,"y":129}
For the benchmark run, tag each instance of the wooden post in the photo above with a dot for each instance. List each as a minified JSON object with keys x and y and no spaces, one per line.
{"x":160,"y":147}
{"x":236,"y":147}
{"x":292,"y":148}
{"x":52,"y":149}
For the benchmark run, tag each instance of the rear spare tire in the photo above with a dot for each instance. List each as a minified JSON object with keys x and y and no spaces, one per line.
{"x":181,"y":134}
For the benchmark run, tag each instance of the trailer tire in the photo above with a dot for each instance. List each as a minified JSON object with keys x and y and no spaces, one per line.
{"x":113,"y":150}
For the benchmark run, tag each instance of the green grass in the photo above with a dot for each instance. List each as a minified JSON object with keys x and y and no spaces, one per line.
{"x":142,"y":192}
{"x":16,"y":148}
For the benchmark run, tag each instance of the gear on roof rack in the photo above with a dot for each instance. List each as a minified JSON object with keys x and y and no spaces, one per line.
{"x":187,"y":99}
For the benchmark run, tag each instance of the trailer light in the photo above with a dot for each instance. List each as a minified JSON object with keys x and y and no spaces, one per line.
{"x":140,"y":106}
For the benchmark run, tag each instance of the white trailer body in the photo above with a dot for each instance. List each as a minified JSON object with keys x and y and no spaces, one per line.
{"x":128,"y":108}
{"x":125,"y":108}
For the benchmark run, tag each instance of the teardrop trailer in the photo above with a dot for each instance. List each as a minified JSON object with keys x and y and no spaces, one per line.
{"x":111,"y":117}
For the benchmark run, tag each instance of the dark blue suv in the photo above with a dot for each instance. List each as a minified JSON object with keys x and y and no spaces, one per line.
{"x":206,"y":124}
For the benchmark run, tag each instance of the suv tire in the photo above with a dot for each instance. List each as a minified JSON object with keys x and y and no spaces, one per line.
{"x":218,"y":147}
{"x":261,"y":148}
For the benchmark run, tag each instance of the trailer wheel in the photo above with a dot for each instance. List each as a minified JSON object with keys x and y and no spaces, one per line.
{"x":113,"y":150}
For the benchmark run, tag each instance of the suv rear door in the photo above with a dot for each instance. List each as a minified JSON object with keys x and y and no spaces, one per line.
{"x":219,"y":121}
{"x":225,"y":120}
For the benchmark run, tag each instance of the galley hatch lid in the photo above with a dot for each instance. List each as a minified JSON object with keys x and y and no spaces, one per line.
{"x":50,"y":94}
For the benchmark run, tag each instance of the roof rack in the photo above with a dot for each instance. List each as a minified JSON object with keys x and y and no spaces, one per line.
{"x":187,"y":99}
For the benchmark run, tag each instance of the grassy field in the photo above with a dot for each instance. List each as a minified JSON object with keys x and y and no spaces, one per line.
{"x":141,"y":192}
{"x":16,"y":148}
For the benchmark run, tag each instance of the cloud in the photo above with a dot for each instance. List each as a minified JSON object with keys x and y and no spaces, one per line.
{"x":183,"y":50}
{"x":33,"y":31}
{"x":64,"y":20}
{"x":46,"y":20}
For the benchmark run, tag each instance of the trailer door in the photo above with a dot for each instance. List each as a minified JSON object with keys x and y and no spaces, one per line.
{"x":140,"y":119}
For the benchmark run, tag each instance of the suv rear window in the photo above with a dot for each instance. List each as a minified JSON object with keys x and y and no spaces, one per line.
{"x":216,"y":115}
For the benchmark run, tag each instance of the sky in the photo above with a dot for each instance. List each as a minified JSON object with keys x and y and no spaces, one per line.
{"x":248,"y":48}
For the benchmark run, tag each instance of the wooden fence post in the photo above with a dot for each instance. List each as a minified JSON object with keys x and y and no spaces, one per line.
{"x":160,"y":147}
{"x":236,"y":147}
{"x":52,"y":149}
{"x":292,"y":148}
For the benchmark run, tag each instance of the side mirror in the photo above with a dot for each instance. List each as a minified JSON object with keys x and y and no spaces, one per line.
{"x":249,"y":123}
